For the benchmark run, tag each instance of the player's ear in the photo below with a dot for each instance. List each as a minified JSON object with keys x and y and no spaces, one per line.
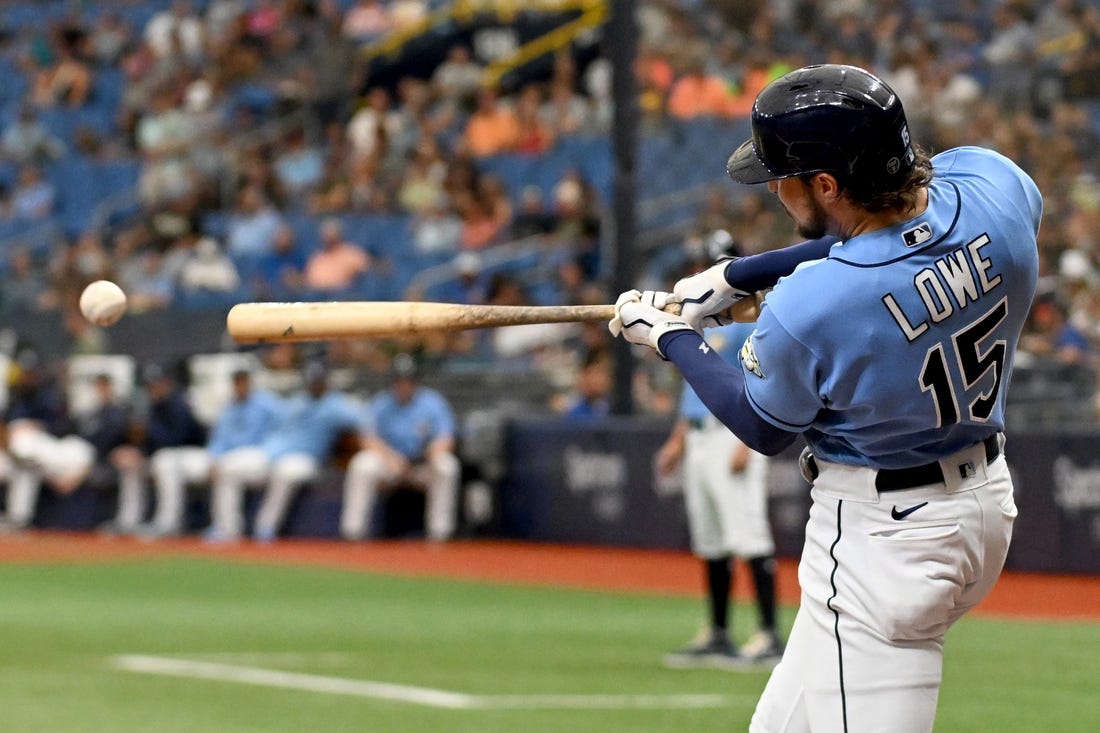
{"x":826,"y":186}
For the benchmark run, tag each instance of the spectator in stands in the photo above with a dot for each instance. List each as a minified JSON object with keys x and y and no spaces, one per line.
{"x":34,"y":198}
{"x":27,"y":141}
{"x":366,"y":20}
{"x":263,"y":22}
{"x":281,"y":272}
{"x":697,"y":94}
{"x":759,"y":70}
{"x":533,"y":135}
{"x":491,"y":190}
{"x":252,"y":226}
{"x":364,"y":183}
{"x":204,"y":120}
{"x":146,"y":282}
{"x":480,"y":227}
{"x":493,"y":127}
{"x":1050,"y":334}
{"x":532,"y":219}
{"x":420,"y":190}
{"x":108,"y":38}
{"x":209,"y":270}
{"x":565,"y":112}
{"x":407,"y":14}
{"x":373,"y":125}
{"x":301,"y":439}
{"x":597,"y":84}
{"x":176,"y":29}
{"x":1081,"y":71}
{"x":245,"y":422}
{"x":577,"y":220}
{"x":332,"y":193}
{"x":67,"y":79}
{"x":298,"y":166}
{"x":590,"y":398}
{"x":91,"y":260}
{"x":164,"y":429}
{"x":23,"y":289}
{"x":458,"y":78}
{"x":68,"y":274}
{"x":163,"y":135}
{"x":334,"y":69}
{"x":256,"y":170}
{"x":1010,"y":55}
{"x":337,"y":264}
{"x":407,"y":440}
{"x":438,"y":230}
{"x":655,"y":76}
{"x":40,"y":441}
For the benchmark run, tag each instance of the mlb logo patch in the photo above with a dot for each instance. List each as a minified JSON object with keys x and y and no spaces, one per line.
{"x":967,"y":470}
{"x":919,"y":234}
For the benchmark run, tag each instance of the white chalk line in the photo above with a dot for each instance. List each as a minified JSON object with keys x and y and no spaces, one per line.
{"x":424,"y":696}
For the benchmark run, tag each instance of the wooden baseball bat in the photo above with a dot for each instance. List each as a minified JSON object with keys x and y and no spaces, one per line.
{"x":280,"y":322}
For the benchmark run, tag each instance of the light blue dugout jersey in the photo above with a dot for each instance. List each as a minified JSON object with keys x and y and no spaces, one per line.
{"x":409,"y":428}
{"x":244,"y":423}
{"x":896,"y":349}
{"x":727,"y":342}
{"x":310,"y":426}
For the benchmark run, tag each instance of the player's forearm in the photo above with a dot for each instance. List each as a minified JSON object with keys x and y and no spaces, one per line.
{"x":721,"y":387}
{"x":762,"y":271}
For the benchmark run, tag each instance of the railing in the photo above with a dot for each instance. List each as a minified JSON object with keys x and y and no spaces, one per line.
{"x":593,"y":15}
{"x":491,"y":258}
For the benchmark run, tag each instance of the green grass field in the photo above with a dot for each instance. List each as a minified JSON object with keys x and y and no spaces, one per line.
{"x":501,"y":656}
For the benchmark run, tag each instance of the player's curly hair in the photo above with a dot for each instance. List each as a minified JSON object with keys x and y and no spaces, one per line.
{"x":904,"y":196}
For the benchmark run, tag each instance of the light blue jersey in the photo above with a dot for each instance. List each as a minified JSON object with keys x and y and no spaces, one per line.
{"x":409,"y":428}
{"x":244,"y":423}
{"x":916,"y":364}
{"x":727,"y":341}
{"x":310,"y":425}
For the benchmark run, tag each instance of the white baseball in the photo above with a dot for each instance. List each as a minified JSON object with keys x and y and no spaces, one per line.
{"x":103,"y":302}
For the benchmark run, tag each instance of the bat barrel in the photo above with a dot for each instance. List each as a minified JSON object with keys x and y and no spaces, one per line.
{"x":280,"y":322}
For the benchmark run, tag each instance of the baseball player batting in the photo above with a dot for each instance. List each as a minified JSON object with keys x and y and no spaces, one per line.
{"x":889,"y":349}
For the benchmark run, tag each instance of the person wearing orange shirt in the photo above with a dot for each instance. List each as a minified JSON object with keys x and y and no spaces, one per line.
{"x":697,"y":94}
{"x":337,"y":264}
{"x":493,"y":127}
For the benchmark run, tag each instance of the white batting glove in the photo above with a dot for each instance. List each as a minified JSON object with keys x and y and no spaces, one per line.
{"x":615,"y":325}
{"x":640,"y":319}
{"x":706,"y":294}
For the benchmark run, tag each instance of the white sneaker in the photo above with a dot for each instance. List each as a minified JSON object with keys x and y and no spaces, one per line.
{"x":763,"y":647}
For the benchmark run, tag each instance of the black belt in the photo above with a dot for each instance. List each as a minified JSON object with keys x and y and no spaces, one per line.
{"x":896,"y":479}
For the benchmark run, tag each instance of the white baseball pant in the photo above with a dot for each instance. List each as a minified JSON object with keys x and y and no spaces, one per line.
{"x":727,"y":512}
{"x":172,"y":470}
{"x":34,"y":456}
{"x":251,"y":468}
{"x":368,"y":472}
{"x":132,"y":497}
{"x":884,"y":575}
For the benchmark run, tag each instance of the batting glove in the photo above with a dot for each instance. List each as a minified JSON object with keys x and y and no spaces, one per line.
{"x":704,"y":295}
{"x":640,"y":319}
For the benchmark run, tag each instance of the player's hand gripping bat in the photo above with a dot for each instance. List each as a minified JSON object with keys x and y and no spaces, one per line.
{"x":277,"y":322}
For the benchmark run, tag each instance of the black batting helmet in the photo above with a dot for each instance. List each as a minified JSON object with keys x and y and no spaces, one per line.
{"x":827,"y":118}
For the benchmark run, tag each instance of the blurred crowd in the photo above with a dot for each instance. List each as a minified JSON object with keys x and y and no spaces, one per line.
{"x":263,"y":112}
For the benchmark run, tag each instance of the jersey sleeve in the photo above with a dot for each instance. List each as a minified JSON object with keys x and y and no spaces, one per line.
{"x":781,"y":375}
{"x":443,"y":417}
